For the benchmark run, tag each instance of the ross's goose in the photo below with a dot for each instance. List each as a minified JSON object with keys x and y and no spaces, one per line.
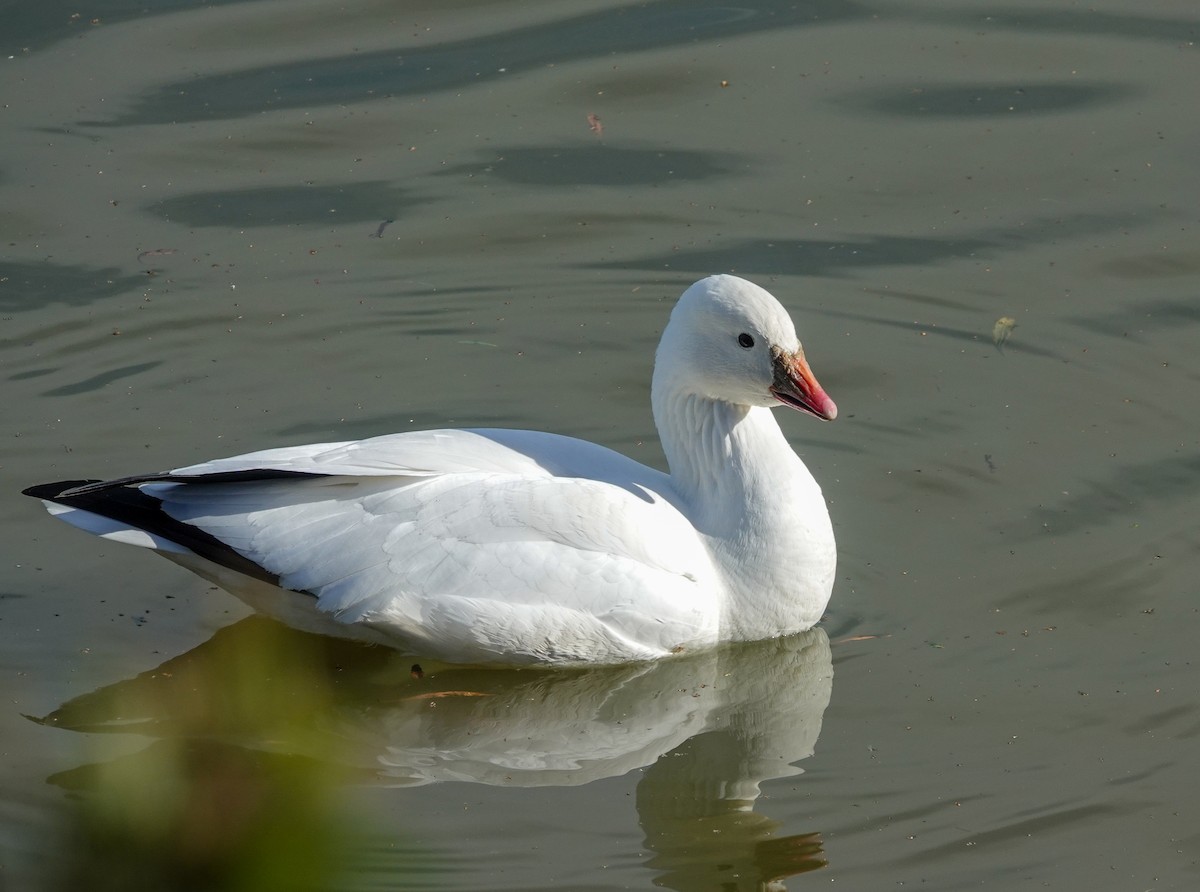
{"x":512,"y":546}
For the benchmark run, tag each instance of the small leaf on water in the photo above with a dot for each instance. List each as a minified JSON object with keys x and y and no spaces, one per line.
{"x":1002,"y":329}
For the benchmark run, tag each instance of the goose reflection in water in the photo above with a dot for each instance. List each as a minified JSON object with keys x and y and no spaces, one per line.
{"x":259,"y":704}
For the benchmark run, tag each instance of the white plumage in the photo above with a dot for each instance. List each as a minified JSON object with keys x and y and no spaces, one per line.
{"x":519,"y":546}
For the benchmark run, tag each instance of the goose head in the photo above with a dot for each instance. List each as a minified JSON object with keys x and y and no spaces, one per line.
{"x":731,"y":341}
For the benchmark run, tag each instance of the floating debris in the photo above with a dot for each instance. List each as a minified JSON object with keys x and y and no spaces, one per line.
{"x":156,"y":252}
{"x":594,"y":125}
{"x":378,"y":233}
{"x":1002,"y":329}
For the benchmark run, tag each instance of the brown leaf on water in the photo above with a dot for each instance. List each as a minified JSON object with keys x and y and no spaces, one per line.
{"x":850,"y":638}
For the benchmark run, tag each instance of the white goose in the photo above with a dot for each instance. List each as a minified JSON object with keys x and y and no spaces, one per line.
{"x":510,"y":546}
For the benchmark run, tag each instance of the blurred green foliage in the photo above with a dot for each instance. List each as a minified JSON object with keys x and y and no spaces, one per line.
{"x":240,"y":790}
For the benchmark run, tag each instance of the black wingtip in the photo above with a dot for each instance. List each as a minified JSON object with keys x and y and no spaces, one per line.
{"x":51,"y":491}
{"x":71,"y":489}
{"x":121,"y":500}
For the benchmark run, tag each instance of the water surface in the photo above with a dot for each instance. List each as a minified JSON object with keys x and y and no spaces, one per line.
{"x":297,"y":222}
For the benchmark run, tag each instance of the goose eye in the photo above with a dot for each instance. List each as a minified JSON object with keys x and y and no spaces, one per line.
{"x":745,"y":340}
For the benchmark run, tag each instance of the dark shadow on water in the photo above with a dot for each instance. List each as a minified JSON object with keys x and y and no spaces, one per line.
{"x":596,"y":165}
{"x":1079,"y":22}
{"x":1104,"y":588}
{"x":1153,"y":265}
{"x":1129,"y":492}
{"x":97,"y":382}
{"x":1022,"y":826}
{"x":806,"y":257}
{"x":366,"y":202}
{"x":32,"y":286}
{"x":1135,"y":321}
{"x":34,"y":26}
{"x":919,"y":100}
{"x":838,"y":257}
{"x":407,"y":71}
